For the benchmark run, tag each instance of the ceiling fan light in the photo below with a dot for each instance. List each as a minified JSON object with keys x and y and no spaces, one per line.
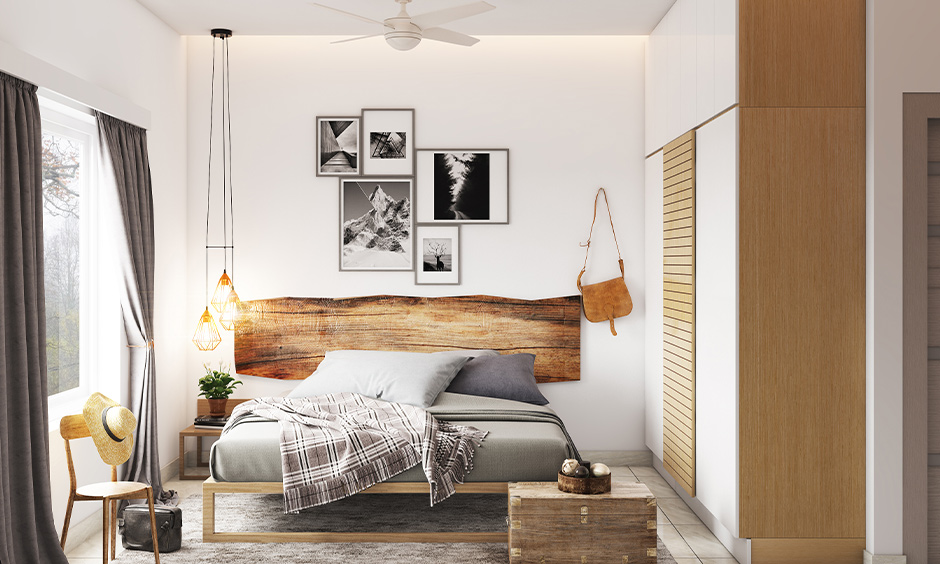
{"x":403,"y":40}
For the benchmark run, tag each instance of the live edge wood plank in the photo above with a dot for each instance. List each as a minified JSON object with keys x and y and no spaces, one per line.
{"x":286,"y":338}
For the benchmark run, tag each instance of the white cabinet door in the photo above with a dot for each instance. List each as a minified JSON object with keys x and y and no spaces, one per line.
{"x":716,"y":318}
{"x":705,"y":61}
{"x":726,"y":54}
{"x":654,"y":90}
{"x":688,"y":65}
{"x":654,"y":303}
{"x":672,"y":82}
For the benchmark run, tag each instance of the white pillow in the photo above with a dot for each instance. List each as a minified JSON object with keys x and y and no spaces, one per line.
{"x":403,"y":377}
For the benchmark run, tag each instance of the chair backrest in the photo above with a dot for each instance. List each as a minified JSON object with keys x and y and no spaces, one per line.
{"x":74,"y":427}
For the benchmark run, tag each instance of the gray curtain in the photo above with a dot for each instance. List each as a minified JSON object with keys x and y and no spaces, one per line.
{"x":125,"y":146}
{"x":27,"y":531}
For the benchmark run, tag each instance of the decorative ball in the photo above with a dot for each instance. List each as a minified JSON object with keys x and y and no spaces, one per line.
{"x":568,"y":467}
{"x":599,"y":469}
{"x":582,"y":472}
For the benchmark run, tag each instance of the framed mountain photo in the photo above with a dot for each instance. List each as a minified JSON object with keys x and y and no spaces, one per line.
{"x":463,"y":186}
{"x":376,"y":224}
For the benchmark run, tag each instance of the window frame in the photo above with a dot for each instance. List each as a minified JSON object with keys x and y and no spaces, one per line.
{"x":65,"y":121}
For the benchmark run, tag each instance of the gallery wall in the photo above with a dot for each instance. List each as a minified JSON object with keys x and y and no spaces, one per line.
{"x":570,"y":111}
{"x":122,"y":48}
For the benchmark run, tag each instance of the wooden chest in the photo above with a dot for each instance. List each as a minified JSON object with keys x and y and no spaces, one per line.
{"x":550,"y":526}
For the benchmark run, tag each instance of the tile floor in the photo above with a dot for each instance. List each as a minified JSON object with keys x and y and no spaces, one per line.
{"x":689,"y":541}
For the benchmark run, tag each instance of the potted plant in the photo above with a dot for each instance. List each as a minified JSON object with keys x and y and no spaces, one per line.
{"x":216,"y":386}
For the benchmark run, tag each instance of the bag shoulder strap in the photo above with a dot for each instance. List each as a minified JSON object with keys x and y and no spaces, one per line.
{"x":587,"y":245}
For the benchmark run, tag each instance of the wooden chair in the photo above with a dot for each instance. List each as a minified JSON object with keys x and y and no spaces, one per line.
{"x":109,"y":493}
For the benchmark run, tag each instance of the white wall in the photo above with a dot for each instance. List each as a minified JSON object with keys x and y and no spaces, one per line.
{"x":570,"y":110}
{"x":902,"y":40}
{"x":121,"y":47}
{"x":716,"y":318}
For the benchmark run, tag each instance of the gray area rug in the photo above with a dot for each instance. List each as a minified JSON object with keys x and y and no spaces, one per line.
{"x":383,"y":513}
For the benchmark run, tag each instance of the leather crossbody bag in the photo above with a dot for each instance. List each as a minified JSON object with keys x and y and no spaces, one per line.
{"x":610,"y":299}
{"x":135,"y":528}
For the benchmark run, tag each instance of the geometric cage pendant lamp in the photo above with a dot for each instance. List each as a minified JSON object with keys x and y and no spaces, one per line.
{"x":224,"y":299}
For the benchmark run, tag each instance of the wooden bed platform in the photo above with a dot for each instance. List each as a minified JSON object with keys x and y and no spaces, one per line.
{"x":210,"y":487}
{"x":286,"y":338}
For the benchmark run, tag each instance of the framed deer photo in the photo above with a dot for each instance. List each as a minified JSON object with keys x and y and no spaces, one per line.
{"x":438,"y":253}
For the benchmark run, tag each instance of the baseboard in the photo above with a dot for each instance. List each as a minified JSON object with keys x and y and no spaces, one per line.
{"x":619,"y":457}
{"x":807,"y":550}
{"x":739,"y":548}
{"x":870,"y":558}
{"x":90,"y":526}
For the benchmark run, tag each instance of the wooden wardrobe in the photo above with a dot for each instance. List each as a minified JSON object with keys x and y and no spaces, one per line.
{"x":797,"y":156}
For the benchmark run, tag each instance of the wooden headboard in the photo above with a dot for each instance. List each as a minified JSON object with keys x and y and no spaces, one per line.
{"x":286,"y":338}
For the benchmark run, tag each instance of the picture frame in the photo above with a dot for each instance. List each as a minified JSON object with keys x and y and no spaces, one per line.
{"x":388,"y":142}
{"x":339,"y":146}
{"x":437,"y":254}
{"x":454,"y":186}
{"x":373,"y":234}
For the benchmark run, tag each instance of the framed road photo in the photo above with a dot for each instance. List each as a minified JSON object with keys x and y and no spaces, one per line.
{"x":438,"y":248}
{"x":388,"y":142}
{"x":338,"y":146}
{"x":376,"y":224}
{"x":463,"y":186}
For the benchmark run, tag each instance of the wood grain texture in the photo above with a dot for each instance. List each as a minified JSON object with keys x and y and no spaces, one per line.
{"x":918,"y":110}
{"x":933,"y":139}
{"x":807,"y":551}
{"x":933,"y":409}
{"x":933,"y":200}
{"x":802,"y":322}
{"x":679,"y":307}
{"x":801,"y":53}
{"x":286,"y":338}
{"x":932,"y":548}
{"x":548,"y":525}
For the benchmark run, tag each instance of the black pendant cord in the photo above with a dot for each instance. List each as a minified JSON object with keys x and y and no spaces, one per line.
{"x":225,"y":157}
{"x":209,"y":189}
{"x":231,"y":210}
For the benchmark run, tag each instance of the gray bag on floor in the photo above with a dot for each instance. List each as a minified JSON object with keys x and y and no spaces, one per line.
{"x":135,"y":528}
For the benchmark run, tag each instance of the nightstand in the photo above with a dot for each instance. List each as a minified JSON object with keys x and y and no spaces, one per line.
{"x":202,"y":408}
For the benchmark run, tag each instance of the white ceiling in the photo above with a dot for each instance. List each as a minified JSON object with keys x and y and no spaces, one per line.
{"x":512,"y":17}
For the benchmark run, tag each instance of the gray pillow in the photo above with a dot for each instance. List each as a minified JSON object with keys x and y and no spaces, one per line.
{"x":509,"y":376}
{"x":403,"y":377}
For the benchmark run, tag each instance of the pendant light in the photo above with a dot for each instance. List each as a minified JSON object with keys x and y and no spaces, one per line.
{"x":224,"y":298}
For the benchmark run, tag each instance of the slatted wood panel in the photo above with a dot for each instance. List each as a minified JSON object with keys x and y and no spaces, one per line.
{"x":286,"y":338}
{"x":802,"y":322}
{"x":933,"y":408}
{"x":933,"y":512}
{"x":679,"y":310}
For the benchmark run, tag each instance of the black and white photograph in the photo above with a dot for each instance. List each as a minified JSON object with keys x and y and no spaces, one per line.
{"x":390,"y":138}
{"x":439,"y":253}
{"x":377,"y":224}
{"x":463,"y":186}
{"x":388,"y":144}
{"x":337,"y":146}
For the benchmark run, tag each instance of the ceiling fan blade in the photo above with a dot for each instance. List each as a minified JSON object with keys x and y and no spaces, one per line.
{"x":447,"y":15}
{"x":356,"y":38}
{"x":448,"y":36}
{"x":348,"y":14}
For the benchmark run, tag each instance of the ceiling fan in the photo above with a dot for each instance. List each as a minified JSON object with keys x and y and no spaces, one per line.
{"x":404,"y":32}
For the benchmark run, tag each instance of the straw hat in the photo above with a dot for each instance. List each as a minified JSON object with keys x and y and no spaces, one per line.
{"x":112,"y":428}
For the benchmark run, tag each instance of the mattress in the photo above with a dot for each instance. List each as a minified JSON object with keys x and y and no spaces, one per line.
{"x":525,"y":443}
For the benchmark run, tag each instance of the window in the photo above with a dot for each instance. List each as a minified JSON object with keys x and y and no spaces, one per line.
{"x":69,"y":174}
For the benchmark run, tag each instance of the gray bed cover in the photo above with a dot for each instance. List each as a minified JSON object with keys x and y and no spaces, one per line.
{"x":525,"y":443}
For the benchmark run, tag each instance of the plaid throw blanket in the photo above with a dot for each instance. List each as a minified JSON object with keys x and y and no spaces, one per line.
{"x":335,"y":445}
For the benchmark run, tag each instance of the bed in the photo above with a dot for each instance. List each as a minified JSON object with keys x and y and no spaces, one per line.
{"x":525,"y":442}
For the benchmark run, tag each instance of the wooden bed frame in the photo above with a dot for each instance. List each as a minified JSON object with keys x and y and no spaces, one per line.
{"x":286,"y":338}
